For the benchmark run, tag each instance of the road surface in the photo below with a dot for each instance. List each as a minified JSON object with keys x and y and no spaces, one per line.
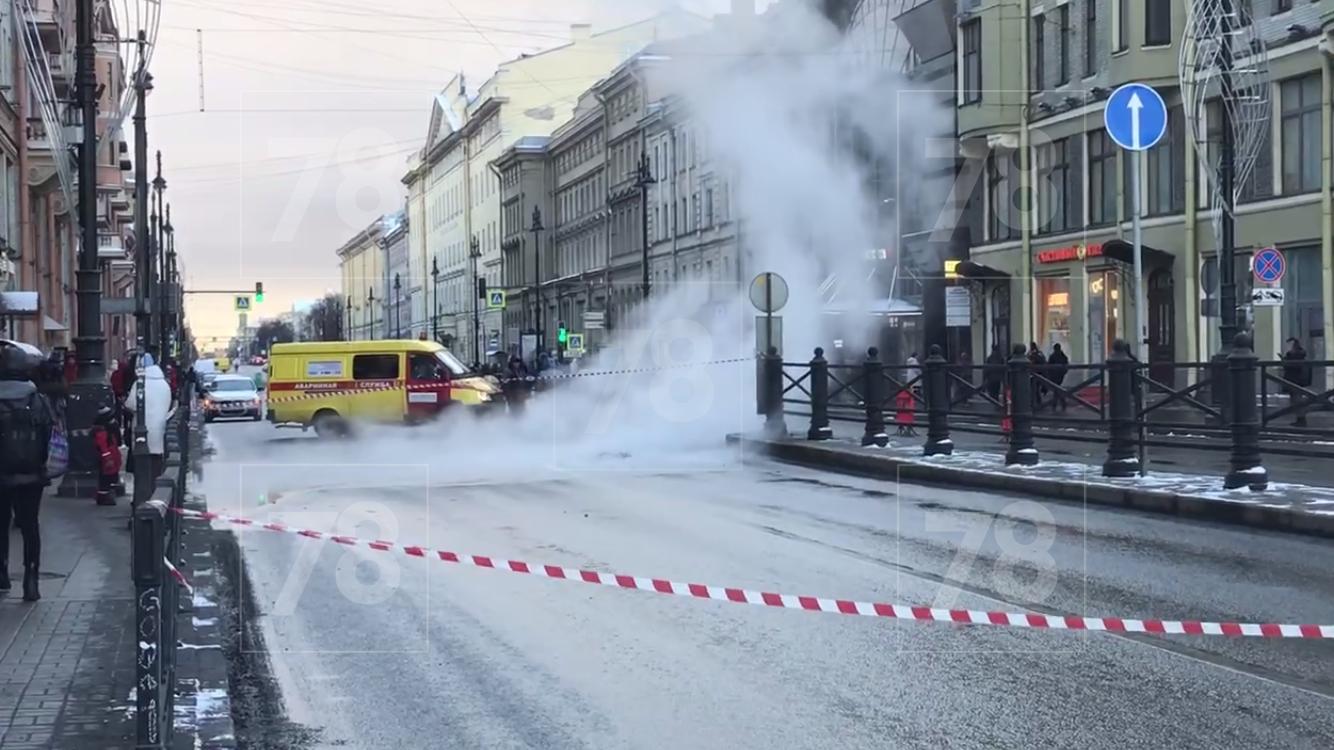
{"x":372,"y":650}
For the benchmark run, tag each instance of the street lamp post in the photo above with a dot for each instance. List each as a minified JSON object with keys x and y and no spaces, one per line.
{"x":173,"y":325}
{"x":644,"y":178}
{"x":435,"y":295}
{"x":398,"y":308}
{"x":536,"y":228}
{"x":474,"y":253}
{"x":160,"y":266}
{"x":347,"y":336}
{"x":370,"y":312}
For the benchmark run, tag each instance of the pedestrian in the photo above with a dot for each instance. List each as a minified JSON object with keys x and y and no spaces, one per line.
{"x":517,"y":384}
{"x":1298,"y":377}
{"x":71,"y":369}
{"x":1039,"y":362}
{"x":120,"y":388}
{"x":108,"y":454}
{"x":1058,"y":367}
{"x":904,"y":418}
{"x":993,"y":372}
{"x":158,"y":409}
{"x":912,"y":370}
{"x":26,"y":424}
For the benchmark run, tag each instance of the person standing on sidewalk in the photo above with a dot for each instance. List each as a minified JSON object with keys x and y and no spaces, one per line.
{"x":26,"y":422}
{"x":1059,"y":367}
{"x":1298,"y":375}
{"x":158,"y":408}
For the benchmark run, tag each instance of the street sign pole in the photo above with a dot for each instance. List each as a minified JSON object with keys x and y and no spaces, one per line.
{"x":1137,"y":187}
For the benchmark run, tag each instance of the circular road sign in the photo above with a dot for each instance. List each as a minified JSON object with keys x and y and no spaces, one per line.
{"x":1269,"y":265}
{"x":1135,"y":117}
{"x":768,"y":292}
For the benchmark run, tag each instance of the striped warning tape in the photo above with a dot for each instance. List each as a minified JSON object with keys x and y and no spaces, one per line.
{"x":808,"y":603}
{"x":627,"y":371}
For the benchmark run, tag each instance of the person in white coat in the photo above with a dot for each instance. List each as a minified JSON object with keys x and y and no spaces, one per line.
{"x":158,"y":408}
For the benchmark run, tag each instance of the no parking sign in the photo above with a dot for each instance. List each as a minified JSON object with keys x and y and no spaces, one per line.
{"x":1269,"y":265}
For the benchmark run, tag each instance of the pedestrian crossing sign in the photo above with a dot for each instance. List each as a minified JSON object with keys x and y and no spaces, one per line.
{"x":575,"y":345}
{"x":242,"y":303}
{"x":495,"y":299}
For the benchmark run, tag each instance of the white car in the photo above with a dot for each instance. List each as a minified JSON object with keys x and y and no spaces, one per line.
{"x":232,"y":397}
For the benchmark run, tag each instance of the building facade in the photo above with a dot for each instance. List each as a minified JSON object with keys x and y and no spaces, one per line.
{"x":524,"y":197}
{"x":361,"y":266}
{"x":455,"y":183}
{"x":1030,"y":104}
{"x":400,"y":284}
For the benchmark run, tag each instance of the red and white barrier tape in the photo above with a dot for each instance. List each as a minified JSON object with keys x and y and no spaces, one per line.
{"x":287,"y":397}
{"x":179,"y":576}
{"x":808,"y":603}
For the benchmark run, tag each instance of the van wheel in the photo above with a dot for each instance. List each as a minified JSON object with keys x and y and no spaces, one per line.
{"x":329,"y":425}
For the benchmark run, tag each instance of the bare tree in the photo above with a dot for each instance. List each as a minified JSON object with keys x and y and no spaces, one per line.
{"x":324,"y":320}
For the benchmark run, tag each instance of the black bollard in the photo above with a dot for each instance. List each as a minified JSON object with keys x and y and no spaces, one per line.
{"x":774,"y":426}
{"x":1122,"y":457}
{"x":937,"y":392}
{"x":872,"y":390}
{"x":1243,"y":367}
{"x":819,"y":398}
{"x":1018,"y":370}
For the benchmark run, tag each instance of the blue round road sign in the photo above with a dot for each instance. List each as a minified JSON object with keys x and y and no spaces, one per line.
{"x":1135,"y":117}
{"x":1269,"y":265}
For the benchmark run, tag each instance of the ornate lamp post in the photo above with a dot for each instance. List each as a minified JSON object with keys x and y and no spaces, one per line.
{"x":644,"y":178}
{"x":435,"y":294}
{"x":536,"y":229}
{"x":474,"y":253}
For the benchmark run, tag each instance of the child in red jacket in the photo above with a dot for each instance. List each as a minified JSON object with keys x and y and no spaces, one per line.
{"x":109,"y":458}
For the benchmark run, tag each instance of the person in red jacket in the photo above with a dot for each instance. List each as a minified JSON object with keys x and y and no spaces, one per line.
{"x":109,"y":458}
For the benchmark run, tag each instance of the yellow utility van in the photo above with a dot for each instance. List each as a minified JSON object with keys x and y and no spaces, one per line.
{"x":328,"y":384}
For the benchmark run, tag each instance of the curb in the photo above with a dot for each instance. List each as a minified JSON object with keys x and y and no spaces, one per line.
{"x":817,"y":455}
{"x":203,"y":704}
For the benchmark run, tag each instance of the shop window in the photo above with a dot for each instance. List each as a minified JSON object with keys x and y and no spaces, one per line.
{"x":1104,"y":306}
{"x":1301,"y":134}
{"x":1054,"y":312}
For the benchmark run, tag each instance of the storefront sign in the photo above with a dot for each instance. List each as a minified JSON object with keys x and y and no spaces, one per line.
{"x":958,"y":307}
{"x":1074,"y":252}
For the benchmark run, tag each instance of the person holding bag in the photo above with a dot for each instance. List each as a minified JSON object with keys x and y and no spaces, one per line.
{"x":26,"y":425}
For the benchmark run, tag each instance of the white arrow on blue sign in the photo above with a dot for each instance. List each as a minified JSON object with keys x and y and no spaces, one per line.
{"x":1135,"y":117}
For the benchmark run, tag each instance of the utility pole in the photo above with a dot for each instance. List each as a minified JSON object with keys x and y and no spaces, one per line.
{"x":536,"y":229}
{"x":175,"y":304}
{"x":90,"y":392}
{"x":159,"y":262}
{"x":1227,"y":277}
{"x":143,"y":268}
{"x":474,"y":253}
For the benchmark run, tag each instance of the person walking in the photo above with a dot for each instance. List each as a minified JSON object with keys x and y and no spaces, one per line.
{"x":1058,"y":367}
{"x":1039,"y":362}
{"x":1298,"y":375}
{"x":158,"y":409}
{"x":993,"y":373}
{"x":26,"y":422}
{"x":912,"y":370}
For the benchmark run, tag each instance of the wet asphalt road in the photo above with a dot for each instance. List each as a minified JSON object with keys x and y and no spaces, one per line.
{"x":374,"y":651}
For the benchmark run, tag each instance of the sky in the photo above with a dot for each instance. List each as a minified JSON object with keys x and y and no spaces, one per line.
{"x":310,"y":112}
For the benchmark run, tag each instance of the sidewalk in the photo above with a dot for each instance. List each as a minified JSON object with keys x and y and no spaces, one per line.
{"x":1076,"y":475}
{"x":67,"y":661}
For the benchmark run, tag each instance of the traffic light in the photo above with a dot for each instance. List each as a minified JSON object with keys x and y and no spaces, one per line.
{"x":481,"y":287}
{"x":259,"y":291}
{"x":562,"y":335}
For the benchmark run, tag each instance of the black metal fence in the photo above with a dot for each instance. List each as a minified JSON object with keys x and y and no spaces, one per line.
{"x":1235,"y":403}
{"x":156,"y":539}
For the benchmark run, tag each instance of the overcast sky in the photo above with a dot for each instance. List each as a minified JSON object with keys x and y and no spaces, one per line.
{"x":311,"y":110}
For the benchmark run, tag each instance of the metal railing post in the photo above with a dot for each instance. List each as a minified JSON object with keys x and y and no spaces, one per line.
{"x":937,"y":392}
{"x":1246,"y":469}
{"x":1122,"y":457}
{"x":1019,"y":370}
{"x":820,"y":429}
{"x":150,"y":675}
{"x":774,"y":426}
{"x":872,"y":374}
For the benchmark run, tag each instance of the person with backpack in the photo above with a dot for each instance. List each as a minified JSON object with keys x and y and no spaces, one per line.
{"x":26,"y":422}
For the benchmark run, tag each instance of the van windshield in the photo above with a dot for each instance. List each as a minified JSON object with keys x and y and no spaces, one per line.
{"x":455,"y":366}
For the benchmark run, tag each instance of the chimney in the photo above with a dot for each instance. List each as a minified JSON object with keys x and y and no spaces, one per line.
{"x":580,"y":31}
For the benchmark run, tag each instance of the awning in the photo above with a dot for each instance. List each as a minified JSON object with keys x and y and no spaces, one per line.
{"x":978,"y":272}
{"x":51,"y":325}
{"x":1125,"y":252}
{"x":832,"y":302}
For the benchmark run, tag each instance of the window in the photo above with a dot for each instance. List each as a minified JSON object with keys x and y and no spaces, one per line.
{"x":1090,"y":37}
{"x":1157,"y":22}
{"x":1122,"y":25}
{"x":1001,"y":214}
{"x":375,"y":367}
{"x":1063,"y":48}
{"x":1166,"y":174}
{"x":708,"y":206}
{"x":1054,"y":313}
{"x":1301,"y":134}
{"x":1102,"y":178}
{"x":972,"y":61}
{"x":1039,"y":51}
{"x":1282,"y":5}
{"x":1054,"y":194}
